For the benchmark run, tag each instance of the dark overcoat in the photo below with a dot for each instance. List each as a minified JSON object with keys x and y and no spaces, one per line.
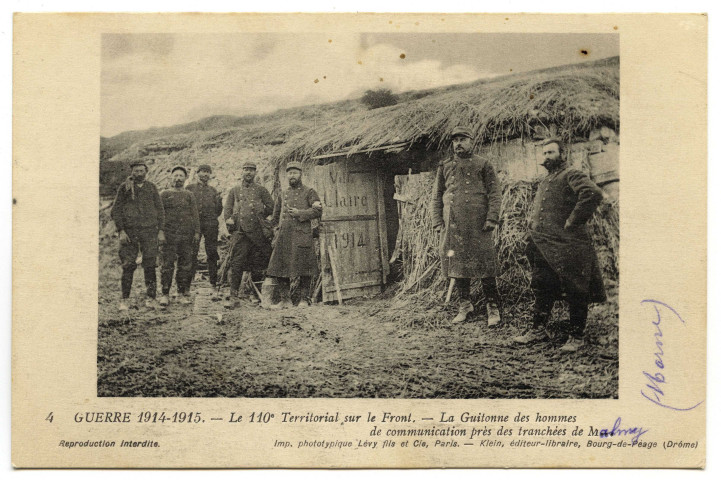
{"x":209,"y":201}
{"x":568,"y":194}
{"x":293,"y":253}
{"x":138,"y":208}
{"x":466,"y":194}
{"x":248,"y":205}
{"x":181,"y":213}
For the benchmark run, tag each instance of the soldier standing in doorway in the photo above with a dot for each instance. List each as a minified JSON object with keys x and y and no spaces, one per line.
{"x":182,"y":233}
{"x":563,"y":262}
{"x":138,"y":215}
{"x":246,"y":208}
{"x":465,"y":208}
{"x":210,"y":206}
{"x":293,"y":253}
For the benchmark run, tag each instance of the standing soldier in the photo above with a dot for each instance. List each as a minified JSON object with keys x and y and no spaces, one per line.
{"x":560,"y":252}
{"x":246,"y":208}
{"x":293,"y":253}
{"x":465,"y":208}
{"x":138,"y":216}
{"x":182,"y":233}
{"x":210,"y":206}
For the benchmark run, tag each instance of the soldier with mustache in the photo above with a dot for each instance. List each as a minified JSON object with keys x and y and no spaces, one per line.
{"x":182,"y":233}
{"x":138,"y":215}
{"x":293,"y":253}
{"x":465,"y":208}
{"x":246,"y":208}
{"x":210,"y":206}
{"x":563,"y":262}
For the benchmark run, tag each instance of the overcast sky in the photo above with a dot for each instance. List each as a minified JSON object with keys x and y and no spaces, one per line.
{"x":165,"y":79}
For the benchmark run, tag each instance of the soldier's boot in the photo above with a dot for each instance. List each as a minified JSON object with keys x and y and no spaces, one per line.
{"x":213,"y":272}
{"x":573,"y":344}
{"x":493,"y":300}
{"x":304,"y":292}
{"x":286,"y":303}
{"x":267,"y":290}
{"x":185,"y":298}
{"x":151,"y":282}
{"x":164,"y":300}
{"x":494,"y":314}
{"x":533,"y":335}
{"x":284,"y":293}
{"x":126,"y":281}
{"x":537,"y":332}
{"x":124,"y":305}
{"x":231,"y":301}
{"x":579,"y":313}
{"x":464,"y":309}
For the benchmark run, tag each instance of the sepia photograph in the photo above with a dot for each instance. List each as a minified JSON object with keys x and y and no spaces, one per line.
{"x":359,"y":215}
{"x":359,"y":240}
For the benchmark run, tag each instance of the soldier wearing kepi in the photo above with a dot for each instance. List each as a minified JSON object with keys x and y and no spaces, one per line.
{"x":560,"y":252}
{"x":138,"y":216}
{"x":246,"y":208}
{"x":465,"y":208}
{"x":293,"y":253}
{"x":182,"y":233}
{"x":210,"y":206}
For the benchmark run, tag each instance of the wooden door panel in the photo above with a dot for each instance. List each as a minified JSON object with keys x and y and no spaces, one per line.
{"x":349,"y":193}
{"x":356,"y":249}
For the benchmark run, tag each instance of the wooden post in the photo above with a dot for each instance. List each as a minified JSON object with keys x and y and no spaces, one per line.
{"x":248,"y":278}
{"x":334,"y":269}
{"x":382,"y":227}
{"x":324,"y":234}
{"x":255,"y":287}
{"x":316,"y":290}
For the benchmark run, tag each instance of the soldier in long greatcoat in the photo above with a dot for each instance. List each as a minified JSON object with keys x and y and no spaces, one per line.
{"x":246,"y":208}
{"x":562,"y":258}
{"x":465,"y":209}
{"x":293,"y":253}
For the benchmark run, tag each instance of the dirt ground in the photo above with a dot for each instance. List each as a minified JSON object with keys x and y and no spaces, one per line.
{"x":203,"y":350}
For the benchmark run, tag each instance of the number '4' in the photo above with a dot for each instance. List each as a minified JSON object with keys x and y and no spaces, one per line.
{"x":49,"y":418}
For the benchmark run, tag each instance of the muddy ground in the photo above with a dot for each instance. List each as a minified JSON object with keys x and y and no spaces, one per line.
{"x":202,"y":350}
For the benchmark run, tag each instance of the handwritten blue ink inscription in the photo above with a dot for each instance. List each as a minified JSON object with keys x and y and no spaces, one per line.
{"x":657,"y":387}
{"x":618,"y":431}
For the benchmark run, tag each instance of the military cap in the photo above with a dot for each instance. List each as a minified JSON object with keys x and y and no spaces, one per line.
{"x":137,"y":163}
{"x":180,"y":167}
{"x":461,"y":132}
{"x":250,"y":165}
{"x":205,"y":168}
{"x":293,"y":165}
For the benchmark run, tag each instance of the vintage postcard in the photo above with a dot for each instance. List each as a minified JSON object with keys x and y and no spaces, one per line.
{"x":359,"y":240}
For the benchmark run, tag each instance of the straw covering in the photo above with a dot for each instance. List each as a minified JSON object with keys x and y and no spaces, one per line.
{"x":576,"y":99}
{"x":419,"y":298}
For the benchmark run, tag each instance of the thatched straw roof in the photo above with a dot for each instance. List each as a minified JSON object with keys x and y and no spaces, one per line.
{"x":575,"y":99}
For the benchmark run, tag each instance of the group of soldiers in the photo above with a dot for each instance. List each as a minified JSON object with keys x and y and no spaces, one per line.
{"x":170,"y":225}
{"x":465,"y":209}
{"x":466,"y":206}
